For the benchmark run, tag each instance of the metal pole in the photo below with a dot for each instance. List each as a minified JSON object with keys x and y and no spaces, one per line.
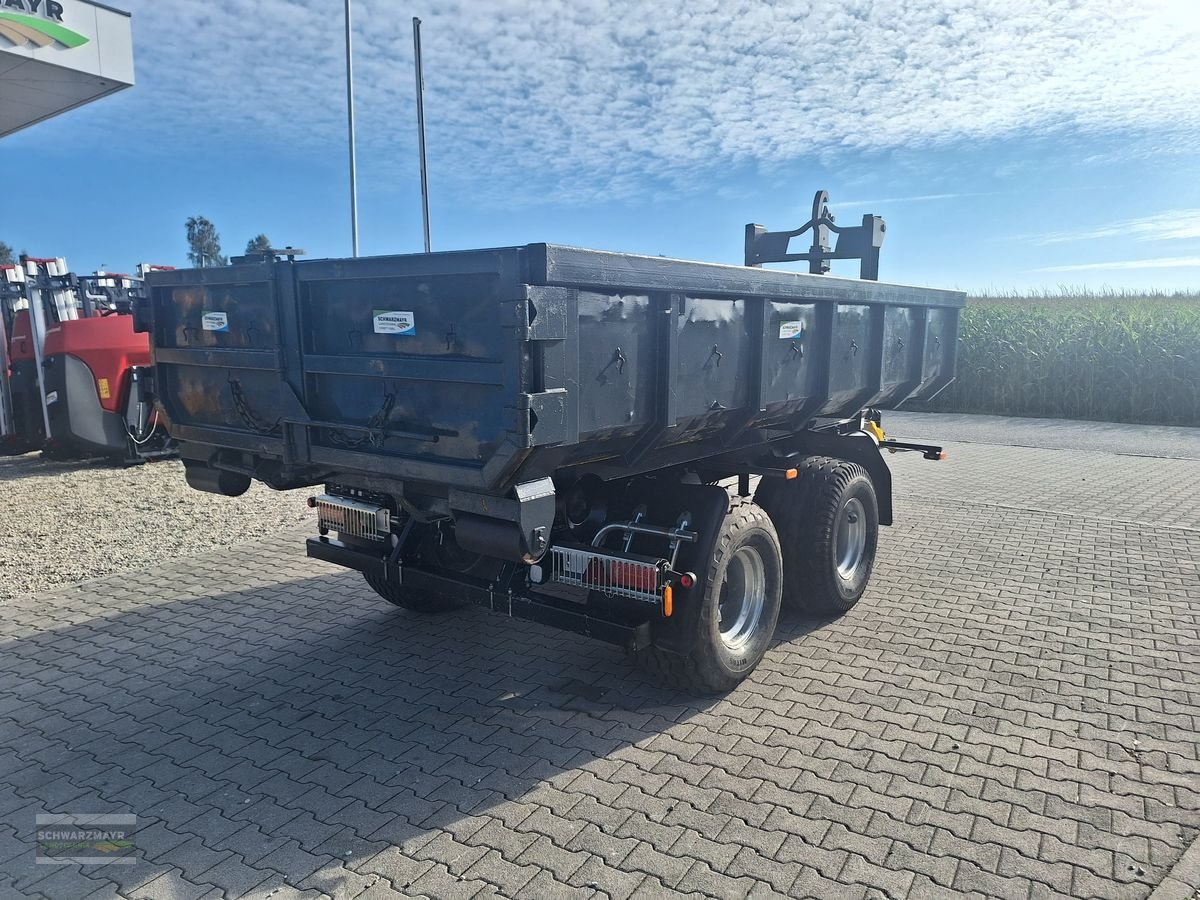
{"x":421,"y":127}
{"x":37,"y":333}
{"x":350,"y":122}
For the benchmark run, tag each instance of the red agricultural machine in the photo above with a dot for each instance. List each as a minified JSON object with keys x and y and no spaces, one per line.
{"x":75,"y":380}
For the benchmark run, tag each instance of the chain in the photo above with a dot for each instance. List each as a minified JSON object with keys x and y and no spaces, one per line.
{"x":243,"y":409}
{"x":376,"y":425}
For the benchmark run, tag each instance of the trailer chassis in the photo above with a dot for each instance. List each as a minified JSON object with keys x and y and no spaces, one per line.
{"x":633,"y":624}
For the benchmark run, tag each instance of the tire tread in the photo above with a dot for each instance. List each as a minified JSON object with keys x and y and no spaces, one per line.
{"x":406,"y":598}
{"x":805,"y":517}
{"x":688,"y":673}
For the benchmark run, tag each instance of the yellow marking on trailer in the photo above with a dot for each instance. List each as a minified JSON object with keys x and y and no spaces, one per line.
{"x":102,"y":385}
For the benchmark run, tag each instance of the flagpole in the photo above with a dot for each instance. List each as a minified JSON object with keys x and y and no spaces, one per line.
{"x":421,"y":128}
{"x":350,"y":124}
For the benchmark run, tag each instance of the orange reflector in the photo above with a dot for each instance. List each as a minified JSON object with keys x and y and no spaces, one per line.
{"x":668,"y":601}
{"x":790,"y":474}
{"x":943,"y":455}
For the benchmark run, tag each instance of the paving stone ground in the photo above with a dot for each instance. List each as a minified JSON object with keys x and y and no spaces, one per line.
{"x":1013,"y":711}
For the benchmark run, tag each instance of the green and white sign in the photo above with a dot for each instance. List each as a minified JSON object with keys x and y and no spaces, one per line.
{"x":59,"y":54}
{"x":37,"y":23}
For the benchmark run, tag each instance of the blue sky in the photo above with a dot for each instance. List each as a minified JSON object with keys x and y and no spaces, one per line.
{"x":1008,"y":144}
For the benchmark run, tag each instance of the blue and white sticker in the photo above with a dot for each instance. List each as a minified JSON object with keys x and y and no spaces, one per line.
{"x":215,"y":321}
{"x":395,"y":321}
{"x":790,"y":331}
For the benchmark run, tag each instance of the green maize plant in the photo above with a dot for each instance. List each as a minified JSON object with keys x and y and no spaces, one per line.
{"x":1117,"y":357}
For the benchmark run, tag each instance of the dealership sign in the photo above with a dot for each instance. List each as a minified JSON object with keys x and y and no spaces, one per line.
{"x":56,"y":55}
{"x":37,"y":23}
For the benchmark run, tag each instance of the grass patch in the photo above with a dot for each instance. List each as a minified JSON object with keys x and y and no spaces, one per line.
{"x":1110,"y":356}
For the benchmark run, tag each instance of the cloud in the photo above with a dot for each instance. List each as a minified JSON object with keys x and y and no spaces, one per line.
{"x":1176,"y":224}
{"x":586,"y":99}
{"x":920,"y":198}
{"x":1162,"y":262}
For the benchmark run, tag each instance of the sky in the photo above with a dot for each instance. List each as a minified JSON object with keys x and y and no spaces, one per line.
{"x":1008,"y":144}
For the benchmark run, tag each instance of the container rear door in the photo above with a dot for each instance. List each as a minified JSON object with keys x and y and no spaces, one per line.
{"x":412,"y":358}
{"x":216,"y":355}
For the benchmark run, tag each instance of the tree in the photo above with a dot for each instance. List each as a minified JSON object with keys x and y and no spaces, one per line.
{"x":204,"y":243}
{"x":6,"y":255}
{"x":258,"y":244}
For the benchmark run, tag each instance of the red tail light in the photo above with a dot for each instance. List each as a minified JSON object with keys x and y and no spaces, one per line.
{"x":617,"y":573}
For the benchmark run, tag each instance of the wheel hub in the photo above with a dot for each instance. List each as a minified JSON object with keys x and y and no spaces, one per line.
{"x":742,"y":598}
{"x":851,"y":543}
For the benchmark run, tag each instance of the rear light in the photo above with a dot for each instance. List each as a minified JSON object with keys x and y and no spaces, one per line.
{"x":351,"y":517}
{"x":687,"y":580}
{"x":638,"y":578}
{"x":634,"y":576}
{"x":312,"y":502}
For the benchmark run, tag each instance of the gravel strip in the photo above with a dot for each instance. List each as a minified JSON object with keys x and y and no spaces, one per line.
{"x":70,"y":521}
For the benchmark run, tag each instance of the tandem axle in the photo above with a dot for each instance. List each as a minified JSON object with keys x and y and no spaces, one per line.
{"x":628,"y":571}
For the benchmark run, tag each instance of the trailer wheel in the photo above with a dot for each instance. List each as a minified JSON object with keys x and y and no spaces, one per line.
{"x":740,"y":607}
{"x":407,"y":598}
{"x":828,"y":523}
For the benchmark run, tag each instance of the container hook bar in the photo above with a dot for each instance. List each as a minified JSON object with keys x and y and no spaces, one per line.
{"x":861,"y":242}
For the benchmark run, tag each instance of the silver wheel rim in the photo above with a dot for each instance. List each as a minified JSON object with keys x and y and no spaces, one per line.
{"x":742,"y":599}
{"x":851,"y":538}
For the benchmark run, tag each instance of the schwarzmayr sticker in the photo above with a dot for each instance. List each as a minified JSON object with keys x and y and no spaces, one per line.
{"x":392,"y":321}
{"x":215,"y":321}
{"x":791,"y":331}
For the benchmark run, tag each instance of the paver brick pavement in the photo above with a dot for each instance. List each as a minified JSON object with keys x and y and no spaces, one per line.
{"x":1012,"y":711}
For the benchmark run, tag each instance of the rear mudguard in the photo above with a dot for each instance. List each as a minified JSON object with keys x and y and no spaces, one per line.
{"x":706,"y":506}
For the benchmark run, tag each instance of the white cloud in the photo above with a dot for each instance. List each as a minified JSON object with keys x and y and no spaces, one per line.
{"x":1176,"y":224}
{"x":583,"y":99}
{"x":920,"y":198}
{"x":1162,"y":262}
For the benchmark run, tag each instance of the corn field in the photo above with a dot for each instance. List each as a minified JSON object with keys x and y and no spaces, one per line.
{"x":1116,"y":357}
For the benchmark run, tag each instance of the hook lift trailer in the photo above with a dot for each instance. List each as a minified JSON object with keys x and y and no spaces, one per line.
{"x":75,"y":379}
{"x":546,"y":431}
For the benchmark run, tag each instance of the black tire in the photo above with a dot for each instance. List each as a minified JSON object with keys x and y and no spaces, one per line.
{"x":808,"y":512}
{"x":407,"y":598}
{"x":717,"y":661}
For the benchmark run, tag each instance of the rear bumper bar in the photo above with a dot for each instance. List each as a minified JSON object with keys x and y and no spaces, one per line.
{"x":515,"y":604}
